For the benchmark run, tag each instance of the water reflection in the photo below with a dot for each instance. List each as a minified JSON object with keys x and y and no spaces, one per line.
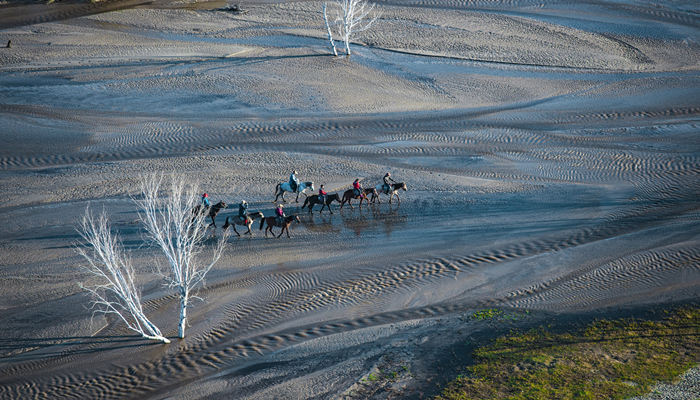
{"x":376,"y":217}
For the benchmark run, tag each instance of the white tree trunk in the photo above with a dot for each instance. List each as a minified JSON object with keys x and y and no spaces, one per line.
{"x":330,"y":32}
{"x":183,"y":314}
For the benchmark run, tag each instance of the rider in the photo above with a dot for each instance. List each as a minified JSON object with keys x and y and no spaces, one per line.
{"x":279,"y":213}
{"x":321,"y":195}
{"x":387,"y":182}
{"x":357,"y":187}
{"x":293,"y":181}
{"x":205,"y":200}
{"x":243,"y":211}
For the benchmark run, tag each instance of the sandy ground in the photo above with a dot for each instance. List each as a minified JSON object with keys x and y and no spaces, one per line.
{"x":550,"y":149}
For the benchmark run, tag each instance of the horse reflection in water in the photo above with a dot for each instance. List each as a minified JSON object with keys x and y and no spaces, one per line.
{"x":388,"y":219}
{"x":321,"y":224}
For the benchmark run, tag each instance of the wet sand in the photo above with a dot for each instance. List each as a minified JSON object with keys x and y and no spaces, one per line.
{"x":550,"y":151}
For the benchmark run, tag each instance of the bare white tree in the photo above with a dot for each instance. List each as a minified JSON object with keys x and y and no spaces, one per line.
{"x":180,"y":235}
{"x":328,"y":29}
{"x":116,"y":293}
{"x":351,"y":17}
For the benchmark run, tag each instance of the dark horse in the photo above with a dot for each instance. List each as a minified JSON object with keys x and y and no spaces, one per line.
{"x":393,"y":191}
{"x":350,"y":194}
{"x":213,"y":210}
{"x":272,"y":221}
{"x":313,"y":200}
{"x":238,"y":221}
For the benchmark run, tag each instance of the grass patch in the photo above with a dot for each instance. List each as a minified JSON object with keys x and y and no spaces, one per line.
{"x":489,"y":313}
{"x":611,"y":359}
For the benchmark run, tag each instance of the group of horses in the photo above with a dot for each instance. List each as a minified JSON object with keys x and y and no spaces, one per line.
{"x":369,"y":195}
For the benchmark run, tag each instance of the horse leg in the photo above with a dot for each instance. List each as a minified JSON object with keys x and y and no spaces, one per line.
{"x":235,"y":230}
{"x":398,"y":199}
{"x":212,"y":221}
{"x":249,"y":231}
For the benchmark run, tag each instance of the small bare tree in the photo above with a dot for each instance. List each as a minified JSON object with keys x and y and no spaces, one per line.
{"x":116,"y":293}
{"x":351,"y":17}
{"x":180,"y":234}
{"x":328,"y":28}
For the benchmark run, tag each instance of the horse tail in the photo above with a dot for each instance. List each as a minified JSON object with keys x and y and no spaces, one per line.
{"x":262,"y":221}
{"x":306,"y":201}
{"x":226,"y":224}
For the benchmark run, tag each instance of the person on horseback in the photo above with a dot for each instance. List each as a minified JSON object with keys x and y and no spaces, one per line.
{"x":279,"y":213}
{"x":387,"y":182}
{"x":357,"y":187}
{"x":322,"y":195}
{"x":293,"y":181}
{"x":243,"y":211}
{"x":205,"y":200}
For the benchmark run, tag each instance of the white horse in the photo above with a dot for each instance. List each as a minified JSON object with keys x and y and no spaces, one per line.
{"x":393,"y":191}
{"x":284,"y":187}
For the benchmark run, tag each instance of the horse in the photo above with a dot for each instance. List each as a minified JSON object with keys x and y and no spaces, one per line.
{"x":238,"y":221}
{"x":350,"y":194}
{"x":393,"y":191}
{"x":284,"y":187}
{"x":272,"y":221}
{"x":373,"y":192}
{"x":313,"y":200}
{"x":200,"y":209}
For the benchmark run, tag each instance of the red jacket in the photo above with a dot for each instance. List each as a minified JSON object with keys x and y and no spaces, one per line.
{"x":322,"y":192}
{"x":356,"y":185}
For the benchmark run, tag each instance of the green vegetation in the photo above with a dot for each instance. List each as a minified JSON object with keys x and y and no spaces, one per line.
{"x":608,"y":359}
{"x":489,"y":313}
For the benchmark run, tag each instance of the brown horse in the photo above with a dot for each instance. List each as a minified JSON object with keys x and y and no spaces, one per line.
{"x":393,"y":191}
{"x":272,"y":221}
{"x":373,"y":192}
{"x":350,"y":194}
{"x":313,"y":200}
{"x":238,"y":221}
{"x":213,"y":210}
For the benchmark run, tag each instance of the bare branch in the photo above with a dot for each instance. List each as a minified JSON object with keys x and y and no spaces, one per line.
{"x":350,"y":18}
{"x":116,"y":293}
{"x":180,"y":234}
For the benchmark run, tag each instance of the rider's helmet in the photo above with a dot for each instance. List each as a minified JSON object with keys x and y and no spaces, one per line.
{"x":244,"y":202}
{"x":280,"y":205}
{"x":294,"y":172}
{"x":388,"y":174}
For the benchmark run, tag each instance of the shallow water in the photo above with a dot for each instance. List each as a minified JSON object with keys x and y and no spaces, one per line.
{"x":555,"y":189}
